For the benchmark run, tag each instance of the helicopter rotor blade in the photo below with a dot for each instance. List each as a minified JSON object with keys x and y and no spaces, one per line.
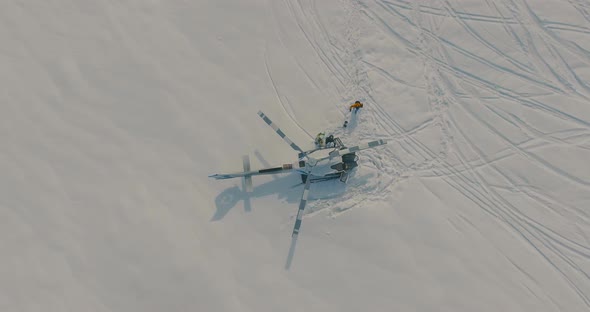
{"x":279,"y":132}
{"x":302,"y":204}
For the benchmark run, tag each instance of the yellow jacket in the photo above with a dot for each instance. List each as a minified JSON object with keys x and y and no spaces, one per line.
{"x":356,"y":105}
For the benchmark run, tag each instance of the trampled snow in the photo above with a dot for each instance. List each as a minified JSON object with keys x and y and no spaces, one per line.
{"x":113,"y":114}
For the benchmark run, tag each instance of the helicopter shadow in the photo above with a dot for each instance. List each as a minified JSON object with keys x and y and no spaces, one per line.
{"x":286,"y":187}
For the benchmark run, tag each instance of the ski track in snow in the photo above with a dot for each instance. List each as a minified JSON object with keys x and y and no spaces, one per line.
{"x":450,"y":84}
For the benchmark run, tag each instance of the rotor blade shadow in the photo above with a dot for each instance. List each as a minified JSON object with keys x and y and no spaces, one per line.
{"x":246,"y":194}
{"x":291,"y":252}
{"x":263,"y":161}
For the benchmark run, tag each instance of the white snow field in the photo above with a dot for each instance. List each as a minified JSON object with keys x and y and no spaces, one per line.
{"x":113,"y":114}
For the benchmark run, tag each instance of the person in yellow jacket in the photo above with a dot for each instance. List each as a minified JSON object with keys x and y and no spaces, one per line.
{"x":319,"y":139}
{"x":357,"y":105}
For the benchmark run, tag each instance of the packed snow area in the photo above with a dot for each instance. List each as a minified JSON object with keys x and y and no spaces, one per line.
{"x":113,"y":114}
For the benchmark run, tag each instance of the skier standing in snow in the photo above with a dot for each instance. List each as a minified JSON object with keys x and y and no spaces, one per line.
{"x":356,"y":106}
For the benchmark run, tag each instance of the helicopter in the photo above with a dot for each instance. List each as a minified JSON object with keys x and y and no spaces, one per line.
{"x":329,"y":161}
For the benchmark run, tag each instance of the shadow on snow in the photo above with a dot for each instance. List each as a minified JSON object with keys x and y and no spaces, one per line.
{"x":288,"y":188}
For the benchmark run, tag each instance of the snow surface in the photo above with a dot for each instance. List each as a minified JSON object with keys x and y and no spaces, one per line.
{"x":113,"y":113}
